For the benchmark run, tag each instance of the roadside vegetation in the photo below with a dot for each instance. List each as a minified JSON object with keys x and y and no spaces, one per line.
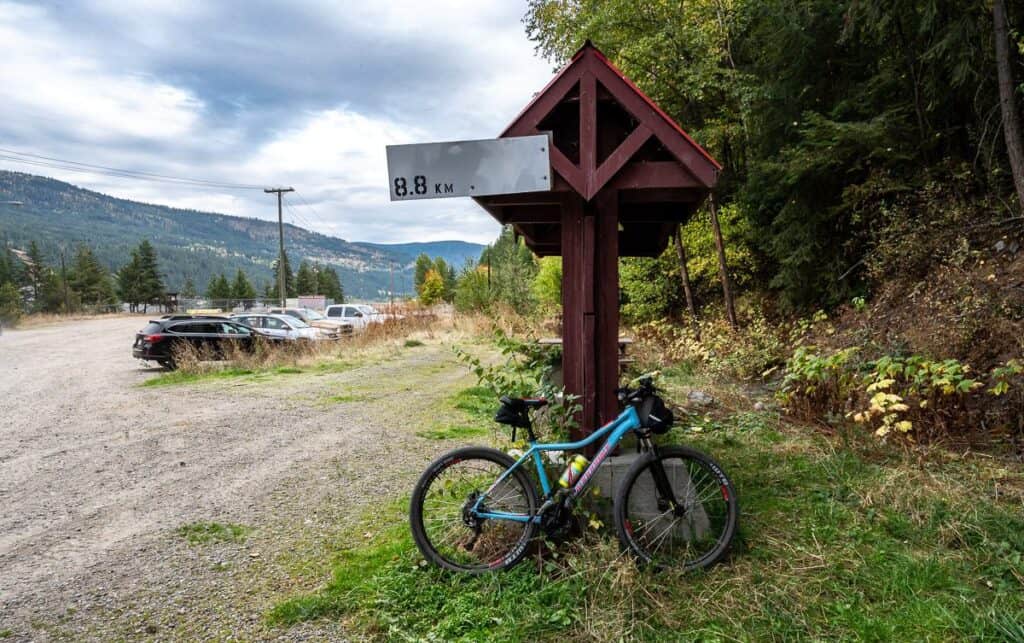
{"x":841,"y":538}
{"x":199,"y":533}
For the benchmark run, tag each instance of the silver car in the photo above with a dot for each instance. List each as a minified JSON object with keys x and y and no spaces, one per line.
{"x":284,"y":326}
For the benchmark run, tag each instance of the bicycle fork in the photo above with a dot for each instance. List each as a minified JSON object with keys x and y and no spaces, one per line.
{"x":666,"y":495}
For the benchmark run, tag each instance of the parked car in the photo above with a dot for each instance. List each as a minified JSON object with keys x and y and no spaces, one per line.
{"x":315,"y":319}
{"x":359,"y":315}
{"x":213,"y":336}
{"x":285,"y":326}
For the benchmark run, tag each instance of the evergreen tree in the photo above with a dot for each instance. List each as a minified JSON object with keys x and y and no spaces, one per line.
{"x":305,"y":280}
{"x":51,"y":294}
{"x":423,"y":266}
{"x":289,"y":278}
{"x":7,"y":267}
{"x":151,"y":287}
{"x":10,"y":303}
{"x":90,"y":280}
{"x":329,"y":285}
{"x":128,"y":282}
{"x":219,"y":289}
{"x":35,"y":271}
{"x":471,"y":291}
{"x":188,"y":289}
{"x":242,"y":288}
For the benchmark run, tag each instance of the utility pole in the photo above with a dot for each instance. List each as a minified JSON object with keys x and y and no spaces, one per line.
{"x":391,"y":288}
{"x":280,"y":239}
{"x":64,"y":281}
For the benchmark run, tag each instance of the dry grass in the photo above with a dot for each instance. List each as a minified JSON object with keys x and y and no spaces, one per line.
{"x":39,"y":320}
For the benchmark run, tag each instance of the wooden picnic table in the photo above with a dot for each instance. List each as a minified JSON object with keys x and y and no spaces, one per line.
{"x":624,"y":343}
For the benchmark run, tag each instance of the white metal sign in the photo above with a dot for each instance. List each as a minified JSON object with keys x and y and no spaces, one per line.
{"x":469,"y":168}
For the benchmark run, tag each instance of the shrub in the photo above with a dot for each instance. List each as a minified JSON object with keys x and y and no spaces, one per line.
{"x":912,"y":398}
{"x":746,"y":353}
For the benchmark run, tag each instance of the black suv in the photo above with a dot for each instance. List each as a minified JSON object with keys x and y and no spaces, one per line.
{"x":210,"y":335}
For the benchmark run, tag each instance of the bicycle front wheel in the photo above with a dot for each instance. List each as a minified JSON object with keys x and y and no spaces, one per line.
{"x":676,"y":509}
{"x":445,"y":528}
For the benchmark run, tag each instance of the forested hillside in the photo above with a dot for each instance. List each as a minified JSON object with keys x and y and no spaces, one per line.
{"x":196,"y":245}
{"x":849,"y":131}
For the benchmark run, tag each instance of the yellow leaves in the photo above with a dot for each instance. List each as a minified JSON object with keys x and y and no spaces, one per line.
{"x":904,"y":426}
{"x":881,"y":385}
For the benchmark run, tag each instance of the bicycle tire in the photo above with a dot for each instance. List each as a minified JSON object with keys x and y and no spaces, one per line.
{"x":704,"y":512}
{"x":487,"y":476}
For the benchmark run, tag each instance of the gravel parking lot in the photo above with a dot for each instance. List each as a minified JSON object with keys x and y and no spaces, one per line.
{"x":97,"y":472}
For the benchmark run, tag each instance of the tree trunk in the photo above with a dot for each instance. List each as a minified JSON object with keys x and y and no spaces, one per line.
{"x":1008,"y":106}
{"x":684,"y":275}
{"x":723,"y":271}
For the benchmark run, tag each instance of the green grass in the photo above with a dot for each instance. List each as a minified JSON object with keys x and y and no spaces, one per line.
{"x":348,"y":398}
{"x":198,"y":533}
{"x":412,"y":343}
{"x":475,"y":408}
{"x":174,"y":378}
{"x":836,"y":542}
{"x":4,"y":634}
{"x":182,"y":377}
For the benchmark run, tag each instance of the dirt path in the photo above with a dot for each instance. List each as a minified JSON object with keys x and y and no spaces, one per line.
{"x":97,"y":472}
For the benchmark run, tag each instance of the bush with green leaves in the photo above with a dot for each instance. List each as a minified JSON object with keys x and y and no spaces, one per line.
{"x":911,"y":398}
{"x":525,"y":371}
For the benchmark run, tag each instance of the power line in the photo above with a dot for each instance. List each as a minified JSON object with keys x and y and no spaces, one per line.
{"x":312,"y":209}
{"x":76,"y":166}
{"x":298,"y":218}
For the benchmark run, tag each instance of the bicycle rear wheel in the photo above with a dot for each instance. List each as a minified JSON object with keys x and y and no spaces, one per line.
{"x":691,"y":529}
{"x":445,"y":530}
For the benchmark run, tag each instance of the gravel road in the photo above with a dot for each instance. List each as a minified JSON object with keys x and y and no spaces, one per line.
{"x":97,"y":473}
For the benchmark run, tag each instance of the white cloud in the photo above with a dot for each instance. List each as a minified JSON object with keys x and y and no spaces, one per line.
{"x":143,"y":100}
{"x":47,"y":86}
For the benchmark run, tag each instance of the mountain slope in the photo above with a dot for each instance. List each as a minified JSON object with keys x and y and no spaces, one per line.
{"x":197,"y":244}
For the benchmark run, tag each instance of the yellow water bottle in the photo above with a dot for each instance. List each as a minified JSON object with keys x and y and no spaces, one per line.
{"x":573,"y":472}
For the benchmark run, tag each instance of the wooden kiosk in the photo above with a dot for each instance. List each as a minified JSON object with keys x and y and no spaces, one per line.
{"x":625,"y":176}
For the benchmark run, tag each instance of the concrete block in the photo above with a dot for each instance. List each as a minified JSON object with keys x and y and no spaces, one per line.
{"x":644,"y":497}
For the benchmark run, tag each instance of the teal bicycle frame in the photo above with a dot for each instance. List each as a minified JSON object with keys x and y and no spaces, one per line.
{"x":615,"y":430}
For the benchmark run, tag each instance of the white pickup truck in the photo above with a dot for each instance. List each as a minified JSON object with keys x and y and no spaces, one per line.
{"x":359,"y":315}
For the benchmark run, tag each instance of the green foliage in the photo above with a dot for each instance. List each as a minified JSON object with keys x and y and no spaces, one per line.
{"x":200,"y":533}
{"x":139,"y":281}
{"x":219,"y":289}
{"x":525,"y":372}
{"x":242,"y":288}
{"x":547,"y":285}
{"x":821,"y":113}
{"x":289,"y":277}
{"x":10,"y":303}
{"x":422,"y":266}
{"x":329,"y":284}
{"x":90,"y":280}
{"x":472,"y":292}
{"x":512,"y":270}
{"x":188,"y":289}
{"x":840,"y":543}
{"x":913,"y":397}
{"x":305,"y":280}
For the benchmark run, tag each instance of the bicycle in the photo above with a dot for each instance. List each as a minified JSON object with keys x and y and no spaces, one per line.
{"x":475,"y":509}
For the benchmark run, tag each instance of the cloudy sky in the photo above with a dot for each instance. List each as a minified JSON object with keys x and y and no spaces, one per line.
{"x":303,"y":93}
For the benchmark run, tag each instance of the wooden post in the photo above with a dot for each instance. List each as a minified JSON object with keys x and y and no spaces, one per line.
{"x":573,"y":354}
{"x":590,"y":307}
{"x":684,"y":274}
{"x":723,"y":270}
